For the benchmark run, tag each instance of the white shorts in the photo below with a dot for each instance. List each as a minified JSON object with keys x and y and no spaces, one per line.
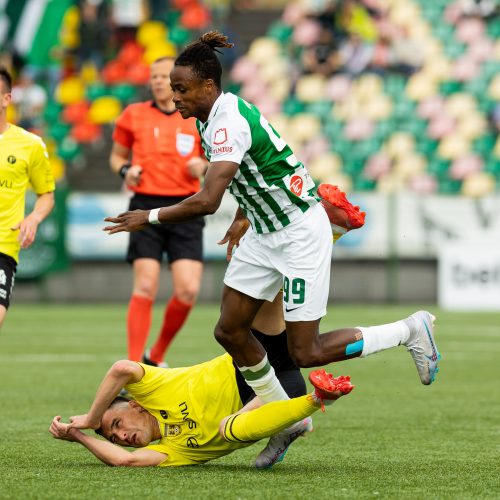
{"x":296,"y":258}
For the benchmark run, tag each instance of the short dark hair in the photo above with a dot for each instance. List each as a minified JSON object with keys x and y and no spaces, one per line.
{"x":118,"y":400}
{"x":6,"y":78}
{"x":200,"y":55}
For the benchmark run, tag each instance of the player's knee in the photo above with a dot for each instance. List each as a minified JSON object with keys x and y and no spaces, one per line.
{"x":146,"y":287}
{"x":307,"y":358}
{"x":220,"y":335}
{"x":188,"y":294}
{"x":224,"y":337}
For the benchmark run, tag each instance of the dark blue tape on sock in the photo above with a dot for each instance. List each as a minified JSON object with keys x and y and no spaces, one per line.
{"x":354,"y":348}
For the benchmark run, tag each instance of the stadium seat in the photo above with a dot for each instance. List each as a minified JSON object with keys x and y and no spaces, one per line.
{"x":104,"y":110}
{"x":114,"y":72}
{"x":58,"y":168}
{"x":85,"y":132}
{"x":68,"y":149}
{"x":59,"y":130}
{"x":478,"y":185}
{"x":125,"y":92}
{"x":70,"y":91}
{"x":151,"y":32}
{"x":75,"y":112}
{"x":162,"y":48}
{"x":95,"y":91}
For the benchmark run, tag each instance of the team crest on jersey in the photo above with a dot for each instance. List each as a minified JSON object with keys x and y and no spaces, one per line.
{"x":220,"y":136}
{"x":184,"y":144}
{"x":172,"y":430}
{"x":3,"y":278}
{"x":11,"y":159}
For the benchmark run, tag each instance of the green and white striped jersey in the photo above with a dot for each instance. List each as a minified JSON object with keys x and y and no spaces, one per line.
{"x":271,"y":186}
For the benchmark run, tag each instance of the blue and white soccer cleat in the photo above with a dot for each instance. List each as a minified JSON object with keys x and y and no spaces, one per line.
{"x":278,"y":445}
{"x":422,"y":345}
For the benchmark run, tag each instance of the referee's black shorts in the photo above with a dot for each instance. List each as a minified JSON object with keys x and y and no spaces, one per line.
{"x":287,"y":371}
{"x":8,"y":268}
{"x":178,"y":241}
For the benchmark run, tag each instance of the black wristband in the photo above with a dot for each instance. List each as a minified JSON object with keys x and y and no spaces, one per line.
{"x":123,"y":170}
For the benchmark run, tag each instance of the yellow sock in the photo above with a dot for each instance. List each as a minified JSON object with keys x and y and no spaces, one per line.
{"x":269,"y":419}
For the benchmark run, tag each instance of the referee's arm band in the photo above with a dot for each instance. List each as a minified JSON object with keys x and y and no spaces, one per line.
{"x":153,"y":216}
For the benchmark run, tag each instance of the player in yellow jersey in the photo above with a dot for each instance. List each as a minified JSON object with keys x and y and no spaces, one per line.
{"x":23,"y":160}
{"x":186,"y":416}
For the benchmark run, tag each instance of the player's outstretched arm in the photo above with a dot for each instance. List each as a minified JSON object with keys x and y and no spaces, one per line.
{"x":120,"y":374}
{"x":218,"y":177}
{"x":109,"y":453}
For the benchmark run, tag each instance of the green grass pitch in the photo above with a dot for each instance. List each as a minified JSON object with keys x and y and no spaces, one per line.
{"x":391,"y":438}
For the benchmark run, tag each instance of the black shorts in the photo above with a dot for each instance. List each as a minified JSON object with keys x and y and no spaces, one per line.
{"x":287,"y":371}
{"x":179,"y":241}
{"x":8,"y":268}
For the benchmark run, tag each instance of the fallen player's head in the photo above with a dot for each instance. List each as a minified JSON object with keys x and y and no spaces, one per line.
{"x":127,"y":423}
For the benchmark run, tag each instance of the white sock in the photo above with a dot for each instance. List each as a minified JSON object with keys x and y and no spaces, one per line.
{"x":378,"y":338}
{"x":267,"y":387}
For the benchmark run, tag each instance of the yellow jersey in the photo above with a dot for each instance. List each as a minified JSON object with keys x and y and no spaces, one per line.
{"x":189,"y":404}
{"x":23,"y":159}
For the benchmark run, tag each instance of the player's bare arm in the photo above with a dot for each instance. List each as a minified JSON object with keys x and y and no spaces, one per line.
{"x":119,"y":159}
{"x":109,"y":453}
{"x":29,"y":225}
{"x":218,"y":177}
{"x":120,"y":374}
{"x":236,"y":230}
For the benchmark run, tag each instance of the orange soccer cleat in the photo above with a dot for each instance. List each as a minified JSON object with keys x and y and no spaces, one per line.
{"x":327,"y":387}
{"x":343,"y":215}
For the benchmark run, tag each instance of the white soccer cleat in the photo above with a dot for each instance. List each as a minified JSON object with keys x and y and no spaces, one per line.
{"x":277,"y":446}
{"x":422,"y":346}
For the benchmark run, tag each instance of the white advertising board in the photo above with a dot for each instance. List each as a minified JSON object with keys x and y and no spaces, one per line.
{"x":405,"y":226}
{"x":469,"y":276}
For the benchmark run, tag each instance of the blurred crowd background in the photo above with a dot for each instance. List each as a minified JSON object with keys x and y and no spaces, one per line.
{"x":381,"y":96}
{"x":372,"y":94}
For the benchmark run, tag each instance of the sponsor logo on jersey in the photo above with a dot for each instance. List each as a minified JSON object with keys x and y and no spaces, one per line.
{"x":11,"y":159}
{"x":3,"y":277}
{"x":220,"y":136}
{"x":184,"y":144}
{"x":185,"y":415}
{"x":5,"y":183}
{"x":164,"y":414}
{"x":192,"y":443}
{"x":222,"y":149}
{"x":296,"y":185}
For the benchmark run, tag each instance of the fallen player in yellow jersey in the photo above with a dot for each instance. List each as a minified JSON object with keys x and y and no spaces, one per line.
{"x":185,"y":416}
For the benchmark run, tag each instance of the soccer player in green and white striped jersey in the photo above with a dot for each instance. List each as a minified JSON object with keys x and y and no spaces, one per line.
{"x":281,"y":236}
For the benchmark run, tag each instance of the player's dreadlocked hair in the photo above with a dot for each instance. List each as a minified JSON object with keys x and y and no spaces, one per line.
{"x":200,"y":55}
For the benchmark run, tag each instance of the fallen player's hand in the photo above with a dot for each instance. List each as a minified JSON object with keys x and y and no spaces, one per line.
{"x":128,"y":221}
{"x":82,"y":422}
{"x":233,"y":235}
{"x":62,"y":431}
